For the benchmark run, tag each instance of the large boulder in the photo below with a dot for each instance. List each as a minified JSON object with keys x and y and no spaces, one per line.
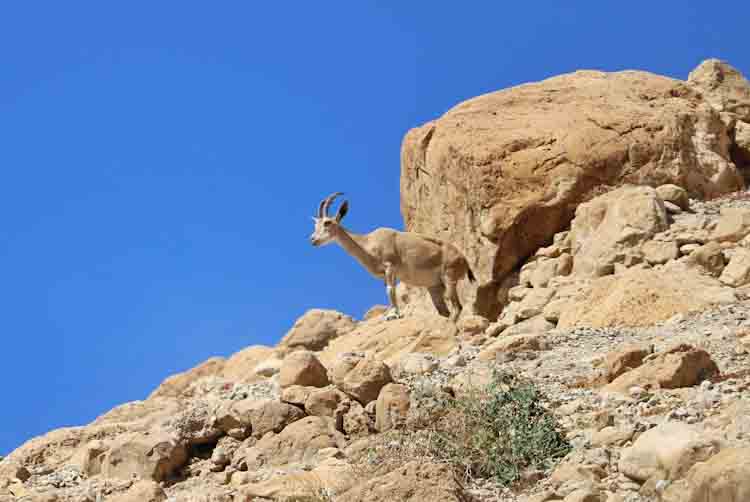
{"x":315,"y":329}
{"x":500,"y":174}
{"x":666,"y":452}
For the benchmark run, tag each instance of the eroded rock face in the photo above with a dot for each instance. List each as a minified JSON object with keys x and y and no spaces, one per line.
{"x":499,"y":174}
{"x":315,"y":329}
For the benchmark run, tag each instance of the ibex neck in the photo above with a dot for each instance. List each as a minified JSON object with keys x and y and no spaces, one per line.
{"x":354,"y":245}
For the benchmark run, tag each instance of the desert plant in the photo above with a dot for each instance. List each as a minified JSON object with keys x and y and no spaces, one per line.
{"x":498,"y":432}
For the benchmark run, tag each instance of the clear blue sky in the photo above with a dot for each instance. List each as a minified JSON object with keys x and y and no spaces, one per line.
{"x":161,"y":161}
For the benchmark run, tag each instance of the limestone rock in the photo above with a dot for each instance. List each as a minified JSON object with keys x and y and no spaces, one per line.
{"x":533,"y":303}
{"x":680,"y":366}
{"x":240,"y":366}
{"x":141,"y":491}
{"x":674,"y":194}
{"x":366,"y":379}
{"x":659,"y":252}
{"x":723,"y":86}
{"x":415,"y":364}
{"x":302,"y":368}
{"x":315,"y":329}
{"x":414,"y":482}
{"x":330,"y":476}
{"x":639,"y":297}
{"x":666,"y":451}
{"x":392,"y":406}
{"x":323,"y":402}
{"x":512,"y":344}
{"x":624,"y":359}
{"x":356,"y":422}
{"x":388,"y":341}
{"x":723,"y":477}
{"x":733,"y":226}
{"x":299,"y":442}
{"x":710,"y":257}
{"x":529,"y":154}
{"x":175,"y":385}
{"x":154,"y":457}
{"x":737,"y":271}
{"x":472,"y":324}
{"x":269,"y":415}
{"x":607,"y":226}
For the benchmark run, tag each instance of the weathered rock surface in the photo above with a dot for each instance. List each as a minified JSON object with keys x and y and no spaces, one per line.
{"x":723,"y":478}
{"x":499,"y":174}
{"x":414,"y":482}
{"x":314,"y":330}
{"x":639,"y":297}
{"x":366,"y":379}
{"x":302,"y":368}
{"x":680,"y":366}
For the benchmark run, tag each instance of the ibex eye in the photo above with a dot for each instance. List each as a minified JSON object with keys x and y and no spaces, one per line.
{"x":327,"y":223}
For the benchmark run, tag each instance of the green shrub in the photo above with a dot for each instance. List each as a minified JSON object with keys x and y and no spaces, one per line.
{"x":497,"y":432}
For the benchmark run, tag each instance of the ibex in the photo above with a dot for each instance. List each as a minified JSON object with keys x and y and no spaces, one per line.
{"x":391,"y":255}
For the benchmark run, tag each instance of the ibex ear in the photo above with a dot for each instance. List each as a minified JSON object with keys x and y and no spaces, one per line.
{"x":342,"y":211}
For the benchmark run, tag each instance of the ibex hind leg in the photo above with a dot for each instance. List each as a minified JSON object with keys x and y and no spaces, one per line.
{"x":454,"y":300}
{"x":437,"y":293}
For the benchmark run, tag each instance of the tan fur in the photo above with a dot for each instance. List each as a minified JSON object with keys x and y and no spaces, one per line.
{"x":388,"y":254}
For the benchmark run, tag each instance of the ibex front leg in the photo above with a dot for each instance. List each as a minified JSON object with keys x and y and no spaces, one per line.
{"x":390,"y":286}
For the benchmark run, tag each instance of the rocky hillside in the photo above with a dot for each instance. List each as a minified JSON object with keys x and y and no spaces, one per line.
{"x":607,"y":216}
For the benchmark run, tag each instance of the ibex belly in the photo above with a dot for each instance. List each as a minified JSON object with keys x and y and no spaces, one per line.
{"x":417,"y":277}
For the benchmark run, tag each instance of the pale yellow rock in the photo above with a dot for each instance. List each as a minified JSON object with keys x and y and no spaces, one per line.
{"x":302,"y":368}
{"x":680,"y":366}
{"x":323,"y":402}
{"x":175,"y":385}
{"x":640,"y":297}
{"x":414,"y":482}
{"x":659,"y":252}
{"x":366,"y":379}
{"x":605,"y":227}
{"x":239,"y":367}
{"x":737,"y":271}
{"x":141,"y":491}
{"x":674,"y":194}
{"x":666,"y":451}
{"x":315,"y":330}
{"x":300,"y":442}
{"x":512,"y":344}
{"x":388,"y":341}
{"x":723,"y":86}
{"x":725,"y":477}
{"x":585,"y":129}
{"x":153,"y":457}
{"x":733,"y":226}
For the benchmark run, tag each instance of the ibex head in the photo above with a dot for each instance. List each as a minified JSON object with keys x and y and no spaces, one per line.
{"x":327,"y":227}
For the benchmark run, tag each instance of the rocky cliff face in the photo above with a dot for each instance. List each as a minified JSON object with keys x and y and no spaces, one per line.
{"x":632,"y":322}
{"x":500,"y":174}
